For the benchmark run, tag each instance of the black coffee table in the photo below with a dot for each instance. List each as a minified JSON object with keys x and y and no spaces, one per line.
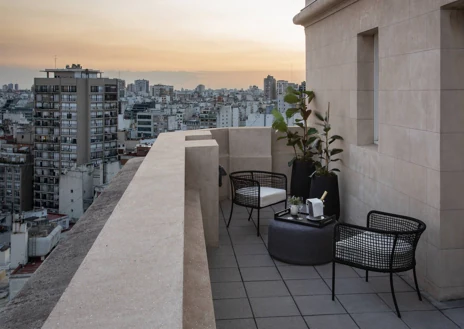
{"x":297,"y":240}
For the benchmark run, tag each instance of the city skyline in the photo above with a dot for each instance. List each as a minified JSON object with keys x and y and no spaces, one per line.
{"x":142,"y":38}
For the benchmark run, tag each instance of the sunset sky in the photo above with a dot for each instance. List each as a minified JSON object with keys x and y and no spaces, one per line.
{"x":217,"y":42}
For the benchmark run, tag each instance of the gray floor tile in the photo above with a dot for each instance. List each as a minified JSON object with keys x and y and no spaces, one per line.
{"x":222,"y":290}
{"x":265,"y":239}
{"x":382,"y":284}
{"x":350,"y":286}
{"x":236,"y":324}
{"x":260,"y":273}
{"x":307,"y":287}
{"x":231,"y":274}
{"x":232,"y":308}
{"x":456,"y":314}
{"x":363,"y":303}
{"x":273,"y":306}
{"x":221,"y":261}
{"x":338,"y":321}
{"x":385,"y":320}
{"x":341,"y":271}
{"x":224,"y":242}
{"x":427,"y":320}
{"x":221,"y":250}
{"x":318,"y":305}
{"x":242,"y":230}
{"x":250,"y":249}
{"x":266,"y":289}
{"x":254,"y":260}
{"x":407,"y":301}
{"x":290,"y":322}
{"x":246,"y":239}
{"x":236,"y":222}
{"x":279,"y":263}
{"x":298,"y":272}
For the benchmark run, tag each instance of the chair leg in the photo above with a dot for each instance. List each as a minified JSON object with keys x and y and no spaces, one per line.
{"x":251,"y":212}
{"x":258,"y":221}
{"x":367,"y":276}
{"x":230,"y":216}
{"x":333,"y":280}
{"x":417,"y":286}
{"x":393,"y":295}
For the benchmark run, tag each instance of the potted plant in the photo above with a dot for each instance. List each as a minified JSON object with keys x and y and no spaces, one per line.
{"x":325,"y":178}
{"x":295,"y":203}
{"x":300,"y":140}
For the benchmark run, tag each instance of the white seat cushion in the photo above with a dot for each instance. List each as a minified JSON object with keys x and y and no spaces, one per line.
{"x":373,"y":250}
{"x":268,"y":195}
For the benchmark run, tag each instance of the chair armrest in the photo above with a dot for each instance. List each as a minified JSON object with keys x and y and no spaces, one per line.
{"x":249,"y":194}
{"x":364,"y":247}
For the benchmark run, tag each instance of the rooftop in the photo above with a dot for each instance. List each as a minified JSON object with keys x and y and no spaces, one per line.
{"x":153,"y":251}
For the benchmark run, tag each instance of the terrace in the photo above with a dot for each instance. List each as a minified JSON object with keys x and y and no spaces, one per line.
{"x":153,"y":252}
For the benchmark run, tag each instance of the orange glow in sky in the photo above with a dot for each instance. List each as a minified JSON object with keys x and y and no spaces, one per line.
{"x":153,"y":35}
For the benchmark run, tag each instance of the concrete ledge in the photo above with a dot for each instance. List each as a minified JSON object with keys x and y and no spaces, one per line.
{"x":35,"y":302}
{"x":318,"y":10}
{"x":198,"y":299}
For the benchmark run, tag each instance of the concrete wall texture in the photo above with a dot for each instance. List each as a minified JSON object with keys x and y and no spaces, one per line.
{"x":417,"y":169}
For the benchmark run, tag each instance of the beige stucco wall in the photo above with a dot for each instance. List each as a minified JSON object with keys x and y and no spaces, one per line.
{"x":418,"y":167}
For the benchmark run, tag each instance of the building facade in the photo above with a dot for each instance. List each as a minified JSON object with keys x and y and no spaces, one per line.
{"x":162,"y":90}
{"x":142,"y":86}
{"x":393,"y":72}
{"x":16,"y":175}
{"x":76,"y":113}
{"x":270,"y":88}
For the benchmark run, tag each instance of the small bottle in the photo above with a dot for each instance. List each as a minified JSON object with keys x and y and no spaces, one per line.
{"x":323,"y":196}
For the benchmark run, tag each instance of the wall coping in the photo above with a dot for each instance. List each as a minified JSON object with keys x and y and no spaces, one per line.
{"x":319,"y":9}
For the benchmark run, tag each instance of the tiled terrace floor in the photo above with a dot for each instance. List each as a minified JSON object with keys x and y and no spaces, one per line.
{"x":253,"y":291}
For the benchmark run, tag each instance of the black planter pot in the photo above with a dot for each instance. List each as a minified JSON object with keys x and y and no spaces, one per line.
{"x":332,"y":200}
{"x":301,"y":182}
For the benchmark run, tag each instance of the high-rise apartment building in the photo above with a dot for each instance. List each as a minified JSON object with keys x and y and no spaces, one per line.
{"x":15,"y":177}
{"x":282,"y":86}
{"x":75,"y":123}
{"x":270,"y":91}
{"x":142,"y":86}
{"x":162,"y":90}
{"x":16,"y":86}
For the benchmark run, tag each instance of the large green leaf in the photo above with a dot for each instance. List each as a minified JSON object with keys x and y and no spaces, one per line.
{"x":335,"y":151}
{"x":291,"y":99}
{"x":312,"y":131}
{"x":306,"y":114}
{"x":291,"y":90}
{"x":310,"y":95}
{"x":333,"y":138}
{"x":291,"y":112}
{"x":319,"y":115}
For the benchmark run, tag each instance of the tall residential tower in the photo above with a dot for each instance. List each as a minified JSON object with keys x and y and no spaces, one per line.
{"x":270,"y":92}
{"x":75,"y":124}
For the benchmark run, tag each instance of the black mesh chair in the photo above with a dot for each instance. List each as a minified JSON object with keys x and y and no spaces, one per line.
{"x":257,"y":190}
{"x":388,"y":244}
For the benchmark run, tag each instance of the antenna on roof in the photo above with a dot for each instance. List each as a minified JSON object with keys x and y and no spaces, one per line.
{"x":55,"y":61}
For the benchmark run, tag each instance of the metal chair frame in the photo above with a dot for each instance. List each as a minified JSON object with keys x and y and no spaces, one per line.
{"x":254,"y":180}
{"x":383,"y":227}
